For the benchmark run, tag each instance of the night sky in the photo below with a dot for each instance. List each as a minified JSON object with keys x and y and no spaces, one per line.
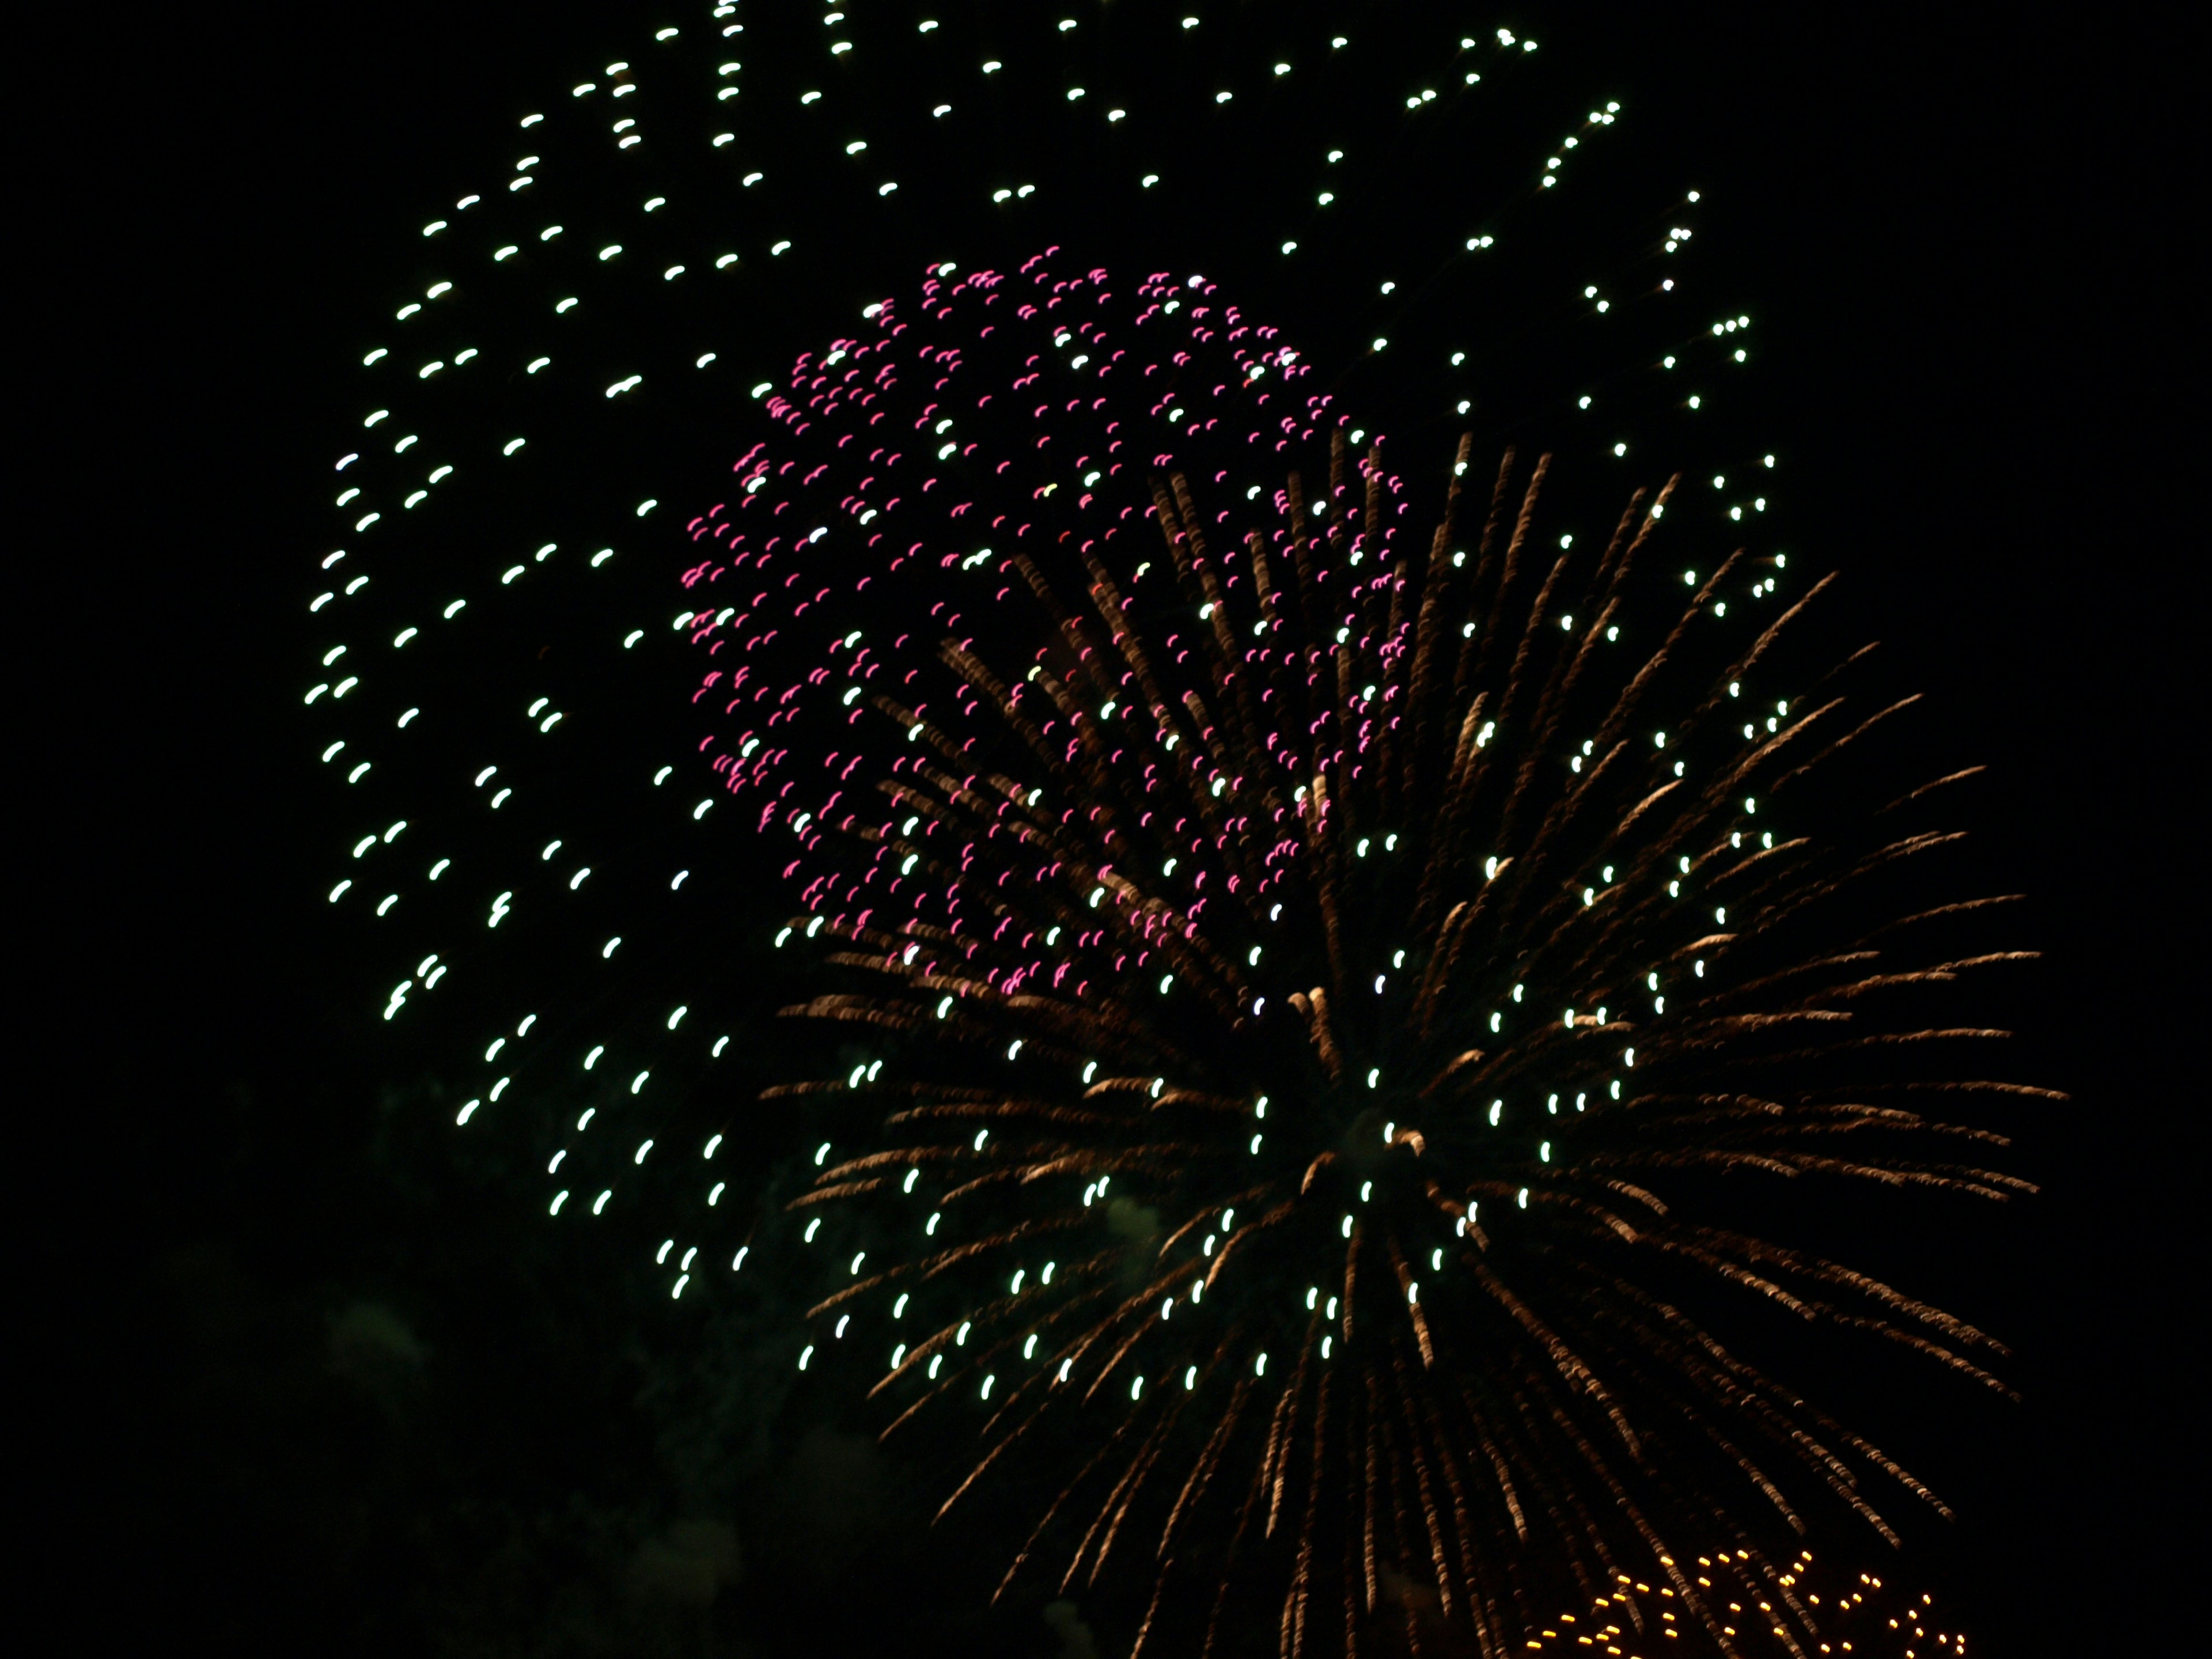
{"x":340,"y":1389}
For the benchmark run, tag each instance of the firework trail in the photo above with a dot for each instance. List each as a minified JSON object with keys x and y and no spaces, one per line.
{"x":1315,"y":958}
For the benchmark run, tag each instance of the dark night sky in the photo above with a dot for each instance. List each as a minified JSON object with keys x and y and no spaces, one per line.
{"x":1970,"y":272}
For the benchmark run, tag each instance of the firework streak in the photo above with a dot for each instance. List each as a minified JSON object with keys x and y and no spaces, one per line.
{"x":1319,"y":959}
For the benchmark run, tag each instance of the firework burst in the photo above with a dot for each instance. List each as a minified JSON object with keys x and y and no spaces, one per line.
{"x":1309,"y":963}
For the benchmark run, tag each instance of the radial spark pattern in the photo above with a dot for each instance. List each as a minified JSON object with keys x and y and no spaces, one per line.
{"x":484,"y":694}
{"x":1311,"y":959}
{"x":1319,"y":1003}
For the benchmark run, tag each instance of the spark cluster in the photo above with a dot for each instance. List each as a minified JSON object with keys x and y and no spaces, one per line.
{"x":1803,"y":1608}
{"x":1310,"y":954}
{"x":1309,"y":964}
{"x":489,"y":654}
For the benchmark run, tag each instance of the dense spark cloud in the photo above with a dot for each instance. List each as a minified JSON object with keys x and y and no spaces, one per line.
{"x":1805,"y":1608}
{"x":515,"y":847}
{"x":1485,"y":931}
{"x":1315,"y":958}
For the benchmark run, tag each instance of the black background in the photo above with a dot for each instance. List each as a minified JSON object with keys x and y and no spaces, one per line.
{"x":1970,"y":267}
